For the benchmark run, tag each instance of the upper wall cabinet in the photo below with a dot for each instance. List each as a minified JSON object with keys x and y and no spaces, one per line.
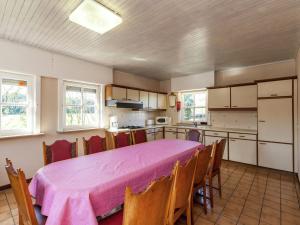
{"x":118,"y":93}
{"x":219,"y":98}
{"x":275,"y":88}
{"x":244,"y":96}
{"x":133,"y":95}
{"x":162,"y":101}
{"x":144,"y":98}
{"x":152,"y":100}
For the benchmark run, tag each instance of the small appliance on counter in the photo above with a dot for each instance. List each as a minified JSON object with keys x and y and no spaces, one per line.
{"x":162,"y":120}
{"x":113,"y":123}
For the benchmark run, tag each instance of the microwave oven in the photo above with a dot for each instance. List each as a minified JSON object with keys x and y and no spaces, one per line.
{"x":162,"y":120}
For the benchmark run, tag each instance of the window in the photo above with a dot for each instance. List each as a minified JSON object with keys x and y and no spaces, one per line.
{"x":194,"y":106}
{"x":80,"y":106}
{"x":18,"y":114}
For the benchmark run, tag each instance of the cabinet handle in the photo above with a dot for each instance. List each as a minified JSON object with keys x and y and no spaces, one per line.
{"x":226,"y":106}
{"x":274,"y":95}
{"x":232,"y":140}
{"x":234,"y":106}
{"x":262,"y":143}
{"x":262,"y":121}
{"x":216,"y":134}
{"x":242,"y":136}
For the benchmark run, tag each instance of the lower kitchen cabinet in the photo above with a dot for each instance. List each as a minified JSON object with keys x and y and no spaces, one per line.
{"x":170,"y":135}
{"x":210,"y":140}
{"x":242,"y":151}
{"x":181,"y":134}
{"x":159,"y":135}
{"x":275,"y":155}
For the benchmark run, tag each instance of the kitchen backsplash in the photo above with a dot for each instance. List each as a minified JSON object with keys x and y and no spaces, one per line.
{"x":128,"y":117}
{"x":240,"y":120}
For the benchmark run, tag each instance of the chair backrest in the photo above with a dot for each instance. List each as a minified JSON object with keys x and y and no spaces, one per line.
{"x":139,"y":136}
{"x":212,"y":160}
{"x":94,"y":144}
{"x":202,"y":164}
{"x":60,"y":150}
{"x":219,"y":154}
{"x":149,"y":207}
{"x":20,"y":189}
{"x":193,"y":135}
{"x":183,"y":186}
{"x":122,"y":139}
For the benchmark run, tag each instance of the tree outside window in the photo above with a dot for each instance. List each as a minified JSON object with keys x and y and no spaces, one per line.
{"x":194,"y":106}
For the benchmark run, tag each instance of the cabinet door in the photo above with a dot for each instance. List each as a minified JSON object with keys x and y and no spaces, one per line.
{"x":275,"y":88}
{"x":275,"y":120}
{"x":118,"y":93}
{"x":161,"y":101}
{"x":244,"y":97}
{"x":133,"y":95}
{"x":242,"y":151}
{"x":152,"y":100}
{"x":159,"y":135}
{"x":275,"y":155}
{"x":210,"y":140}
{"x":170,"y":135}
{"x":181,"y":135}
{"x":219,"y":98}
{"x":144,"y":98}
{"x":151,"y":137}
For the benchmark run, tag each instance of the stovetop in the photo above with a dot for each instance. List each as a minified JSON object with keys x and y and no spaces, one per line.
{"x":130,"y":127}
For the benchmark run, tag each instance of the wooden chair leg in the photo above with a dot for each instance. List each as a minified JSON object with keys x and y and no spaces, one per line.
{"x":20,"y":220}
{"x":219,"y":184}
{"x":204,"y":199}
{"x":211,"y":195}
{"x":188,"y":214}
{"x":191,"y":210}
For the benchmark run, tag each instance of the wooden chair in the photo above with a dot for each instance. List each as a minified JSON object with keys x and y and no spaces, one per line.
{"x":94,"y":144}
{"x":216,"y":170}
{"x":181,"y":197}
{"x":150,"y":207}
{"x":60,"y":150}
{"x":194,"y":135}
{"x":28,"y":214}
{"x":201,"y":172}
{"x":121,"y":139}
{"x":139,"y":136}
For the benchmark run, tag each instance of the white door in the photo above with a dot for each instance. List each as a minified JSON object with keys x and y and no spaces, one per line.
{"x":219,"y":98}
{"x":133,"y":95}
{"x":242,"y":151}
{"x":162,"y":101}
{"x":244,"y":96}
{"x":152,"y":100}
{"x":275,"y":120}
{"x":144,"y":98}
{"x":210,"y":140}
{"x":118,"y":93}
{"x":275,"y":155}
{"x":275,"y":88}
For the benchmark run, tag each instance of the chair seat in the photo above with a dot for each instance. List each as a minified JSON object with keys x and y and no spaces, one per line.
{"x":115,"y":219}
{"x":39,"y":217}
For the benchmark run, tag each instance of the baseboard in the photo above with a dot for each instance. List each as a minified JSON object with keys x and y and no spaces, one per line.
{"x":8,"y":186}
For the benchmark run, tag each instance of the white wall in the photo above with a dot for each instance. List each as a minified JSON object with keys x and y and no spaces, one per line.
{"x":25,"y":59}
{"x":196,"y":81}
{"x":298,"y":122}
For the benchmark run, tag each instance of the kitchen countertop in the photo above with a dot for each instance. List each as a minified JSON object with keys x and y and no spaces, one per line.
{"x":205,"y":128}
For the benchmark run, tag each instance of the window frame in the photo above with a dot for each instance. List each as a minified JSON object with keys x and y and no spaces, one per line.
{"x":193,"y":92}
{"x":62,"y":109}
{"x":33,"y":103}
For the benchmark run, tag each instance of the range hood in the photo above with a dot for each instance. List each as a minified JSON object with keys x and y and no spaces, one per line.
{"x":128,"y":104}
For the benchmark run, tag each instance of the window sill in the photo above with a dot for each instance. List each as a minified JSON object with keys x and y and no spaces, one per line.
{"x":21,"y":136}
{"x":78,"y":130}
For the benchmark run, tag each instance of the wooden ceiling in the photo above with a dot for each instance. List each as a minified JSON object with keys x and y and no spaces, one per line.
{"x":162,"y":38}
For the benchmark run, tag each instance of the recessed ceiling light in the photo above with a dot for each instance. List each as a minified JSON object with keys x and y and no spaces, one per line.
{"x":139,"y":59}
{"x":94,"y":16}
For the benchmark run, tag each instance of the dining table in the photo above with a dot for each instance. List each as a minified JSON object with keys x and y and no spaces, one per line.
{"x":76,"y":191}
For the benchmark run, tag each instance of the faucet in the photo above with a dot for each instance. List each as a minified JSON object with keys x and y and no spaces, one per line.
{"x":195,"y":124}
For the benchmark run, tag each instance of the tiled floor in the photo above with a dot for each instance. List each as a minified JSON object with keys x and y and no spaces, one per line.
{"x":251,"y":196}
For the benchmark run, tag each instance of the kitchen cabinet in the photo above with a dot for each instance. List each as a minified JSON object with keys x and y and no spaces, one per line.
{"x":275,"y":120}
{"x":242,"y":151}
{"x":118,"y":93}
{"x":244,"y":96}
{"x":170,"y":133}
{"x":133,"y":94}
{"x":152,"y":100}
{"x":144,"y":98}
{"x":275,"y":155}
{"x":161,"y":101}
{"x":181,"y":134}
{"x":219,"y":98}
{"x":150,"y":134}
{"x":208,"y":140}
{"x":275,"y":88}
{"x":159,"y":135}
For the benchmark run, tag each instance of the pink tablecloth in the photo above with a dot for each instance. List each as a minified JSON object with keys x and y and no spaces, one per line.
{"x":75,"y":191}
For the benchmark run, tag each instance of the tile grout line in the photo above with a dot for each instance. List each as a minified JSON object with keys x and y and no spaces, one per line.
{"x":263,"y":197}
